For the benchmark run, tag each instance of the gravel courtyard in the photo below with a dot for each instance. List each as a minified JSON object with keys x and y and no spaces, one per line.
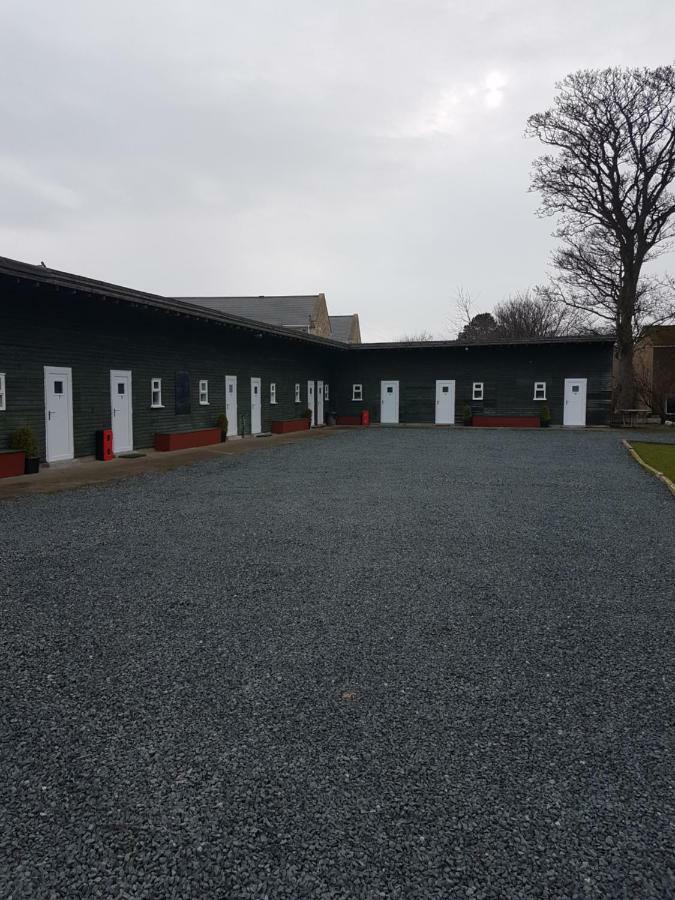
{"x":405,"y":663}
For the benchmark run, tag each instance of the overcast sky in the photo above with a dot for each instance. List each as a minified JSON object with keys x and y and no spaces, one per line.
{"x":369,"y":149}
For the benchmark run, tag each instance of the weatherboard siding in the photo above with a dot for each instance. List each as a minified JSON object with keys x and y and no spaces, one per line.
{"x":508,"y":375}
{"x":42,"y":326}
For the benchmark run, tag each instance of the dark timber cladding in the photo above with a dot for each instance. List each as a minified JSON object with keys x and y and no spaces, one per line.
{"x":100,"y":332}
{"x":508,"y":372}
{"x":47,"y":324}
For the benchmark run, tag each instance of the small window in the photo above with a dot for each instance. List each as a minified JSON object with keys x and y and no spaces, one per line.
{"x":203,"y":392}
{"x":156,"y":393}
{"x":477,"y":390}
{"x":230,"y":388}
{"x":3,"y":394}
{"x":575,"y":388}
{"x":120,"y":388}
{"x":357,"y":392}
{"x":58,"y":387}
{"x":540,"y":390}
{"x":297,"y":393}
{"x":325,"y":392}
{"x":390,"y":390}
{"x":273,"y":393}
{"x":445,"y":389}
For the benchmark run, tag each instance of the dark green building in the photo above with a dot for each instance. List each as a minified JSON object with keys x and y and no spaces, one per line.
{"x":79,"y":355}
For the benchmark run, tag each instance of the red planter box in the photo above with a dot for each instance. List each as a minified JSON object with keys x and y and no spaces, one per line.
{"x":12,"y":463}
{"x":290,"y":425}
{"x":348,"y":420}
{"x":506,"y":421}
{"x":181,"y":440}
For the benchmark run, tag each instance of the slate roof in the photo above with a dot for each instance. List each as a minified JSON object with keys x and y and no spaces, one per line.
{"x":286,"y":312}
{"x":341,"y":327}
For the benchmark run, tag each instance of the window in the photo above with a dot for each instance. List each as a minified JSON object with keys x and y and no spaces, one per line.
{"x":58,"y":387}
{"x":3,"y":394}
{"x":203,"y":392}
{"x":540,"y":390}
{"x":273,"y":393}
{"x":357,"y":392}
{"x":297,"y":393}
{"x":156,"y":393}
{"x":325,"y":392}
{"x":477,"y":390}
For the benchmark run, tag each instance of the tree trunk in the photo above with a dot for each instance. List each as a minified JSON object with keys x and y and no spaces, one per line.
{"x":624,"y":394}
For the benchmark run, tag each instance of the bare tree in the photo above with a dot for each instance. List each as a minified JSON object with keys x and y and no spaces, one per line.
{"x":528,"y":315}
{"x":614,"y":133}
{"x":589,"y":279}
{"x":417,"y":337}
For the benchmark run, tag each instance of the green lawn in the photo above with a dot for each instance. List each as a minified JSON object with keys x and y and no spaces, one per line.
{"x":659,"y":456}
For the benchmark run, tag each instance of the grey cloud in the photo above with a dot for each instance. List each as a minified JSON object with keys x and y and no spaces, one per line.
{"x":294,"y":147}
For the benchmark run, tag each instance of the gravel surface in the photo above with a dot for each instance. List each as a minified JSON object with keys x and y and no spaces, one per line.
{"x":407,"y":663}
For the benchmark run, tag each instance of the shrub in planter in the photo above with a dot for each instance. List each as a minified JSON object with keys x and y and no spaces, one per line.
{"x":221,"y":422}
{"x":307,"y":414}
{"x":466,"y":414}
{"x":545,"y":416}
{"x":24,"y":439}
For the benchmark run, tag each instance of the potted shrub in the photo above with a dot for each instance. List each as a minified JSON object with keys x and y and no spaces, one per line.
{"x":466,"y":414}
{"x":545,"y":416}
{"x":221,"y":422}
{"x":307,"y":414}
{"x":24,"y":439}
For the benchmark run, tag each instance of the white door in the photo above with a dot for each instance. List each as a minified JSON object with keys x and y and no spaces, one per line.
{"x":445,"y":402}
{"x":389,"y":402}
{"x":575,"y":402}
{"x":59,"y":413}
{"x":310,"y":401}
{"x":231,"y":404}
{"x":319,"y":403}
{"x":256,"y":407}
{"x":121,"y":411}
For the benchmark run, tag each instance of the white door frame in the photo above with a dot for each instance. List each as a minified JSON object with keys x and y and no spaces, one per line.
{"x":67,"y":374}
{"x":383,"y":386}
{"x":443,"y":418}
{"x":122,"y":373}
{"x":231,"y":420}
{"x":258,"y":382}
{"x":311,"y":402}
{"x":567,"y":403}
{"x":319,"y":403}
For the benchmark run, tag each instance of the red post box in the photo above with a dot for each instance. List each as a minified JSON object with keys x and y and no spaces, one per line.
{"x":104,"y":444}
{"x":365,"y":417}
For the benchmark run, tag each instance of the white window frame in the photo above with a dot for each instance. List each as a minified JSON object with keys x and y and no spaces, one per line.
{"x":357,"y":392}
{"x":478,"y":390}
{"x":325,"y":392}
{"x":297,"y":393}
{"x":273,"y":393}
{"x":203,"y":392}
{"x":156,"y":388}
{"x":540,"y":390}
{"x":3,"y":392}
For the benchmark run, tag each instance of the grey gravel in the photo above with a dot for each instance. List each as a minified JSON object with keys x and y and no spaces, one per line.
{"x":396,"y":663}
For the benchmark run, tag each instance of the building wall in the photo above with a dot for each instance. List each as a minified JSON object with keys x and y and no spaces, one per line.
{"x":42,"y":326}
{"x":508,"y":375}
